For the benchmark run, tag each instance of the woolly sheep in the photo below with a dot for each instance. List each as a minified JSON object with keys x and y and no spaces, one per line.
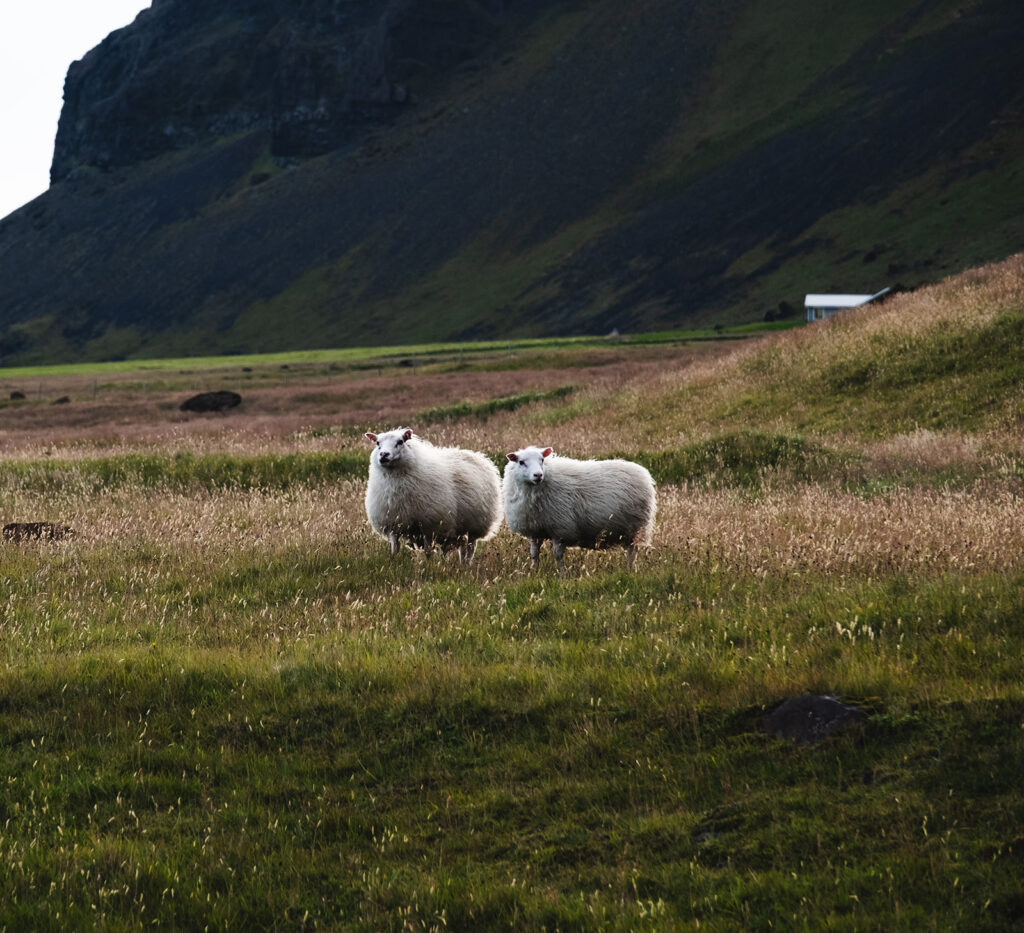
{"x":577,"y":503}
{"x":431,"y":496}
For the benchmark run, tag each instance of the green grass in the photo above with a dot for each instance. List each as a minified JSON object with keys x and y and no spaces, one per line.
{"x":953,"y":376}
{"x":565,"y":759}
{"x":949,"y":379}
{"x":185,"y":471}
{"x":492,"y":406}
{"x":373,"y":357}
{"x":741,"y":459}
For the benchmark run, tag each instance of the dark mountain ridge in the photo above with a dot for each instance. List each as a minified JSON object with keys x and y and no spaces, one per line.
{"x":256,"y":175}
{"x":188,"y":73}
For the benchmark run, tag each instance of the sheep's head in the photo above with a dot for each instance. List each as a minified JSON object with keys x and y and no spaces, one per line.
{"x":529,"y":464}
{"x":391,"y":446}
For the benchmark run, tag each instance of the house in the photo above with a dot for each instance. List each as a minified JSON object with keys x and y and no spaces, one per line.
{"x":823,"y":306}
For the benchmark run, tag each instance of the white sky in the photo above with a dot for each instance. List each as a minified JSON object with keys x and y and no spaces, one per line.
{"x":39,"y":39}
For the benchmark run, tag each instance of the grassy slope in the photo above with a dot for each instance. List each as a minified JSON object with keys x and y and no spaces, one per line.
{"x":783,"y":70}
{"x":775,"y":72}
{"x":228,"y":707}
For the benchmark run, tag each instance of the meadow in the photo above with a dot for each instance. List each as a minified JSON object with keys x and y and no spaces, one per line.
{"x":225,"y":706}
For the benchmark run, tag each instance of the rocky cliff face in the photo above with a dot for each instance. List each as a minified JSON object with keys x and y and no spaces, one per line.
{"x":190,"y":72}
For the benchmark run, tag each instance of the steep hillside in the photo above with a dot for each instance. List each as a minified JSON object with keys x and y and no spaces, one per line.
{"x":245,"y":177}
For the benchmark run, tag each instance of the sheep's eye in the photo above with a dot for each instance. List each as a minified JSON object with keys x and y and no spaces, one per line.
{"x":400,"y":443}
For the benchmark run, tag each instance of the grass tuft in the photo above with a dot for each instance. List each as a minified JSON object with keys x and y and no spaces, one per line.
{"x":745,"y":458}
{"x":484,"y":410}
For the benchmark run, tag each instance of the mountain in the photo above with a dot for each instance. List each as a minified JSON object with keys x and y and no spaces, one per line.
{"x":259,"y":175}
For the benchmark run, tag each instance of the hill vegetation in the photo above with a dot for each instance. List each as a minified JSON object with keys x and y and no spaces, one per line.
{"x":225,"y":705}
{"x":234,"y":178}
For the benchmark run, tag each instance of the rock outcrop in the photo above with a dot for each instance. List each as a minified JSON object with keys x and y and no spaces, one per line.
{"x":809,"y":719}
{"x":221,"y":400}
{"x":36,"y":531}
{"x":306,"y":73}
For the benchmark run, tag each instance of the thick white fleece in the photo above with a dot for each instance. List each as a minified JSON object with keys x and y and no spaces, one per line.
{"x":427,"y":495}
{"x":579,"y":503}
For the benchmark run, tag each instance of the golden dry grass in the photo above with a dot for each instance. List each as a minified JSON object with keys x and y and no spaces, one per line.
{"x":812,"y":531}
{"x":811,"y":527}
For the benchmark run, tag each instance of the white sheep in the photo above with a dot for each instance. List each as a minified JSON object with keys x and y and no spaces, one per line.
{"x":578,"y":503}
{"x":431,"y":496}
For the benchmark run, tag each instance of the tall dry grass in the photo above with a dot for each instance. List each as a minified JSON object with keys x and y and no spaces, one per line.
{"x":819,"y":530}
{"x":779,"y":530}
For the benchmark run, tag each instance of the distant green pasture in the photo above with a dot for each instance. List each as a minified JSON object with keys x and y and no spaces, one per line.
{"x":423,"y":352}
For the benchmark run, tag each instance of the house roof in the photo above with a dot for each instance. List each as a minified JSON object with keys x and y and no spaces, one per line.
{"x":840,"y":301}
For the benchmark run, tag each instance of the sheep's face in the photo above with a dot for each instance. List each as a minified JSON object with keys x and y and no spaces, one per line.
{"x":390,"y":447}
{"x":528,"y":464}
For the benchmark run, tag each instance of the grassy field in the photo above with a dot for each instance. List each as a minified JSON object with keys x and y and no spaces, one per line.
{"x":378,"y":357}
{"x":225,"y":706}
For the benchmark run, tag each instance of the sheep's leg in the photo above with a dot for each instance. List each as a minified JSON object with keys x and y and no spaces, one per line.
{"x":558,"y":549}
{"x":631,"y":553}
{"x":466,"y":552}
{"x":393,"y":538}
{"x":535,"y":544}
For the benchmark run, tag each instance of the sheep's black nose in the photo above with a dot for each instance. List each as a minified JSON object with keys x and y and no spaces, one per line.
{"x":385,"y":457}
{"x":537,"y":477}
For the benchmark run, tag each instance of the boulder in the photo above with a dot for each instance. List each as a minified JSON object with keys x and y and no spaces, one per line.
{"x":809,"y":719}
{"x":36,"y":531}
{"x":212,"y":401}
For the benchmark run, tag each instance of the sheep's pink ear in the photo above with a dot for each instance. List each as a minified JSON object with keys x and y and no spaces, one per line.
{"x":513,"y":458}
{"x":546,"y":452}
{"x":407,"y":435}
{"x":370,"y":436}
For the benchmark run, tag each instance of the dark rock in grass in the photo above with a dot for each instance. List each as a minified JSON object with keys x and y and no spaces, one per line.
{"x":809,"y":719}
{"x":211,"y":401}
{"x":36,"y":531}
{"x":63,"y":400}
{"x":17,"y":396}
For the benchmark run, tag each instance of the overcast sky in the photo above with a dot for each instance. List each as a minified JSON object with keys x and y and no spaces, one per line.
{"x":38,"y":40}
